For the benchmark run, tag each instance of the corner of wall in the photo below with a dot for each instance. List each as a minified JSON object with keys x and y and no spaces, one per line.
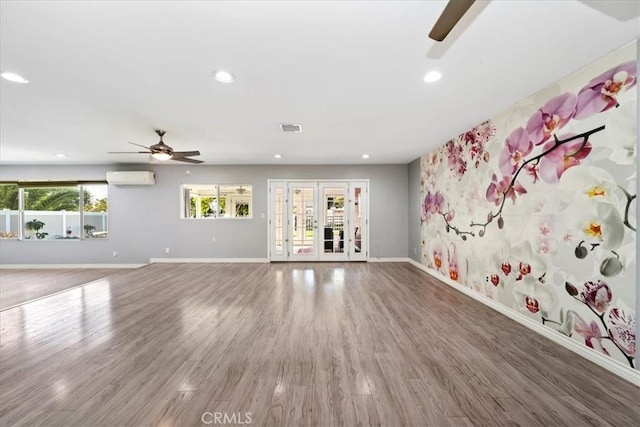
{"x":414,"y":250}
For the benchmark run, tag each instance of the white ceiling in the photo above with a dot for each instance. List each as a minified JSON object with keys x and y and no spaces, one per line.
{"x":104,"y":73}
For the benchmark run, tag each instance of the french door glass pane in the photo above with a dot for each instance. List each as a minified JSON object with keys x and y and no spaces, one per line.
{"x":357,"y":220}
{"x":302,"y":223}
{"x":333,"y":220}
{"x":279,"y":221}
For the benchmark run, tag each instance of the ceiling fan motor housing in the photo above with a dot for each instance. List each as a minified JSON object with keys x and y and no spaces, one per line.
{"x":161,"y":147}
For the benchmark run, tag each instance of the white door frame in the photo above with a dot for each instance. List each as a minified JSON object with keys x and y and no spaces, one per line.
{"x":349,"y":242}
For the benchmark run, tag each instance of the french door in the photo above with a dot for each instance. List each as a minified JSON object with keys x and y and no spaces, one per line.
{"x":318,"y":220}
{"x":302,"y":227}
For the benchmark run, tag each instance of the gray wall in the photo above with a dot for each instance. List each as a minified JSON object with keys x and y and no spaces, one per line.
{"x":144,"y":220}
{"x":414,"y":210}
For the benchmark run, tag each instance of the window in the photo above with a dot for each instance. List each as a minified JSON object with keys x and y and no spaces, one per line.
{"x":95,"y":210}
{"x":46,"y":211}
{"x":217,"y":201}
{"x":51,"y":212}
{"x":9,"y":213}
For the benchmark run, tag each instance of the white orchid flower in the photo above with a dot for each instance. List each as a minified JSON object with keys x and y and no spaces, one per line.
{"x":590,"y":183}
{"x":596,"y":223}
{"x":533,"y":296}
{"x":622,"y":132}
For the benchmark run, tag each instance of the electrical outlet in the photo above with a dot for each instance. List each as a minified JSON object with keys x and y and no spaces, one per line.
{"x":415,"y":250}
{"x":167,"y":250}
{"x":115,"y":254}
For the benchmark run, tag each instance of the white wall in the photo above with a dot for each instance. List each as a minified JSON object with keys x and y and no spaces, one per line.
{"x":145,"y":220}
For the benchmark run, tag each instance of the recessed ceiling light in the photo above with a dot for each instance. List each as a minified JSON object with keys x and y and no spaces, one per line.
{"x":60,"y":155}
{"x":432,"y":76}
{"x":277,"y":156}
{"x":13,"y":77}
{"x":223,"y":76}
{"x":365,"y":156}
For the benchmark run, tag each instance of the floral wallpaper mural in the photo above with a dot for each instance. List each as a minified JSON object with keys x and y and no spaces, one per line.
{"x":536,"y":208}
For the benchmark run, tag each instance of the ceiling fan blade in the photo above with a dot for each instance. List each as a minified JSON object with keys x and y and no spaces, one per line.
{"x":181,"y":154}
{"x":139,"y":145}
{"x":128,"y":152}
{"x":186,"y":160}
{"x":453,"y":11}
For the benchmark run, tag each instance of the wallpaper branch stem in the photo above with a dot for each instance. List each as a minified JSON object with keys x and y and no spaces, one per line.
{"x":630,"y":199}
{"x":491,"y":216}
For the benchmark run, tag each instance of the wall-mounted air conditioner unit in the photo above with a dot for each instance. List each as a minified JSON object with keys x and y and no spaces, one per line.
{"x":131,"y":178}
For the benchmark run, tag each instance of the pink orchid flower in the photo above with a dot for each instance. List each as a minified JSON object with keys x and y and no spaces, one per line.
{"x":590,"y":332}
{"x":533,"y":171}
{"x":567,"y":155}
{"x":551,"y":117}
{"x":601,"y":93}
{"x":622,"y":329}
{"x":454,"y":272}
{"x":433,"y":203}
{"x":499,"y":189}
{"x":517,"y":146}
{"x":597,"y":295}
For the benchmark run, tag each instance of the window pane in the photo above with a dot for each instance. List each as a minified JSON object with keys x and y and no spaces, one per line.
{"x":9,"y":211}
{"x":216,"y":201}
{"x":51,"y":213}
{"x":95,"y":210}
{"x":235,"y":201}
{"x":200,"y":201}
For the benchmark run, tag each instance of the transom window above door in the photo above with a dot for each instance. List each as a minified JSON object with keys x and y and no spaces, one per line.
{"x":216,"y":201}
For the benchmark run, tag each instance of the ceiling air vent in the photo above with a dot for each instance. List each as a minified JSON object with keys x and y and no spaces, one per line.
{"x":291,"y":127}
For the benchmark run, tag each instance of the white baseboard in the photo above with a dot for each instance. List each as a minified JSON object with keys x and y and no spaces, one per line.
{"x":59,"y":266}
{"x":207,"y":260}
{"x":372,"y":259}
{"x":623,"y":371}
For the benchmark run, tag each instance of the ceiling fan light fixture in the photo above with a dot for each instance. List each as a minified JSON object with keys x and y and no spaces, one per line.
{"x":161,"y":156}
{"x":223,"y":76}
{"x":432,"y":76}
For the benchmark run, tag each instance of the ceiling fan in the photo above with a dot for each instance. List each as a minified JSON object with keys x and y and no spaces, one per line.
{"x":452,"y":13}
{"x":162,"y":151}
